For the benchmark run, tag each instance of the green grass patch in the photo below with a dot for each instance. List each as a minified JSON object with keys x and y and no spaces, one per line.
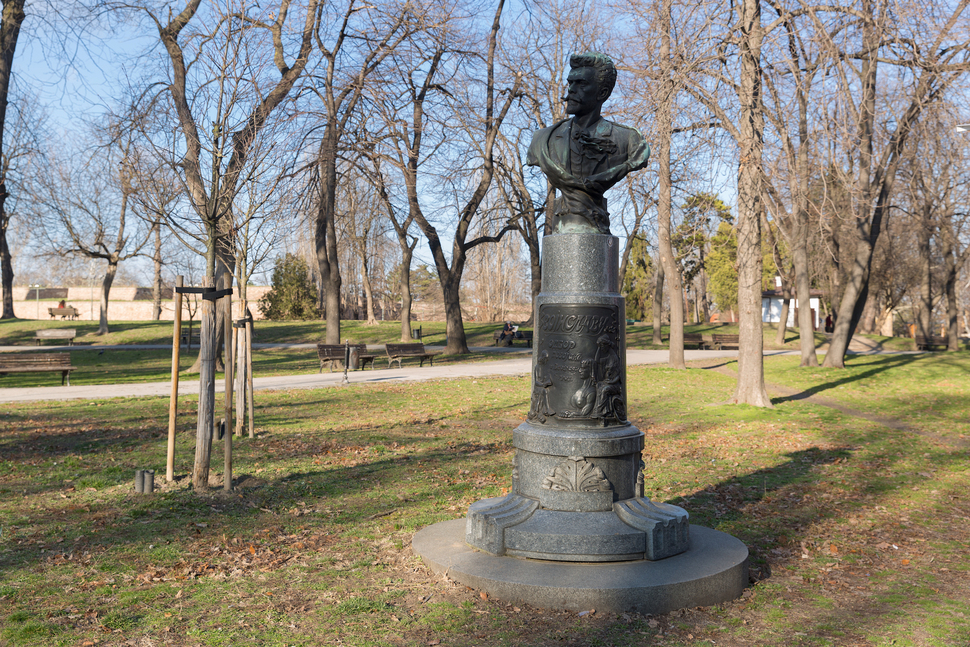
{"x":856,"y":529}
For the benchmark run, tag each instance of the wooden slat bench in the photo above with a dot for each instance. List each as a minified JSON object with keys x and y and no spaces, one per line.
{"x":190,"y":337}
{"x":695,"y":339}
{"x":334,"y":353}
{"x":525,"y":335}
{"x":67,"y":312}
{"x":929,"y":343}
{"x":36,"y":363}
{"x":57,"y":333}
{"x":398,"y":352}
{"x":725,"y":341}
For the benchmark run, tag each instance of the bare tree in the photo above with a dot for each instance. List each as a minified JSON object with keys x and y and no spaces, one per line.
{"x":401,"y":223}
{"x":364,"y":37}
{"x":228,"y":86}
{"x":12,"y":18}
{"x":442,"y":78}
{"x":926,"y":51}
{"x":88,"y":208}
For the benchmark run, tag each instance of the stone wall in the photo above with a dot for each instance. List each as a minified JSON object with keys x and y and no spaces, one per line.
{"x":122,"y":305}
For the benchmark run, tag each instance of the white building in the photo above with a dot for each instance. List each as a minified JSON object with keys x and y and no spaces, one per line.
{"x":773,"y":300}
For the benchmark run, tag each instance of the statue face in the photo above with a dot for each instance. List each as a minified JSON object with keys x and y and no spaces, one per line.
{"x":582,"y":91}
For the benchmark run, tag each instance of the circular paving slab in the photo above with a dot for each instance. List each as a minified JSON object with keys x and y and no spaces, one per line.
{"x":713,"y":570}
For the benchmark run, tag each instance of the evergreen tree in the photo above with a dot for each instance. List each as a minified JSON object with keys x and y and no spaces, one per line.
{"x":293,"y":295}
{"x":722,"y":268}
{"x":638,"y":282}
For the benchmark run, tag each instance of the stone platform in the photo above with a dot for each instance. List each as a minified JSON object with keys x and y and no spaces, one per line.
{"x":714,"y":569}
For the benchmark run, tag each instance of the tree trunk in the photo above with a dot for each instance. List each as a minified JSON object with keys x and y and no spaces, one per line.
{"x":13,"y":18}
{"x":925,"y":311}
{"x":325,"y":233}
{"x":6,"y":260}
{"x":785,"y":307}
{"x":455,"y":342}
{"x":803,"y":292}
{"x":867,"y":323}
{"x":368,"y":295}
{"x":702,"y":293}
{"x":675,"y":288}
{"x":535,"y":274}
{"x":157,"y":274}
{"x":658,"y":305}
{"x":239,"y":335}
{"x":751,"y":382}
{"x":109,"y":277}
{"x":950,"y":288}
{"x":207,"y":393}
{"x":223,"y":280}
{"x":407,"y":252}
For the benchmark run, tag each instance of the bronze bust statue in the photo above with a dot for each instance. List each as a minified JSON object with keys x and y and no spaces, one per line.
{"x":583,"y":156}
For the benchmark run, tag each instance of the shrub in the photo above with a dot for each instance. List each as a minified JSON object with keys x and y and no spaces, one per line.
{"x":293,"y":295}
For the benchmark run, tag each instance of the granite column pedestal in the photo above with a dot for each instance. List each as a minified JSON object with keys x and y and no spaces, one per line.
{"x":577,"y":480}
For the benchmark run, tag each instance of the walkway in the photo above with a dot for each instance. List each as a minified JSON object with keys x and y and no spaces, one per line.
{"x":521,"y":365}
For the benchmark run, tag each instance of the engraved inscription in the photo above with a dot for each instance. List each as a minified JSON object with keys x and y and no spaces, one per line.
{"x":578,"y":372}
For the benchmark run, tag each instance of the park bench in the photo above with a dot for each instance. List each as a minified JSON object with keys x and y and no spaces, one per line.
{"x":695,"y":339}
{"x":36,"y":363}
{"x":929,"y":343}
{"x":399,"y":352}
{"x":189,"y":337}
{"x":68,"y":312}
{"x":333,"y":353}
{"x":725,"y":341}
{"x":525,"y":335}
{"x":57,"y":333}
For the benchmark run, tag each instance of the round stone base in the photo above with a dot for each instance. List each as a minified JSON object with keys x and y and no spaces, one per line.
{"x":713,"y":570}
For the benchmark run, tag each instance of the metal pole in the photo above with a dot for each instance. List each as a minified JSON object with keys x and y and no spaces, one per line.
{"x":173,"y":401}
{"x":346,"y":360}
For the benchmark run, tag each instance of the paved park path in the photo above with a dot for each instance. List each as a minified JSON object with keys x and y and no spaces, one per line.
{"x":519,"y":364}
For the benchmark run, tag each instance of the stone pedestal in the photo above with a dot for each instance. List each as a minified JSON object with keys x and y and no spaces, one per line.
{"x":576,"y":531}
{"x":577,"y":485}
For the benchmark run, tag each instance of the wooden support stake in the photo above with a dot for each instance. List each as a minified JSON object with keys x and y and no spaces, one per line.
{"x":227,"y":410}
{"x":249,"y":371}
{"x":239,"y":343}
{"x":173,"y":401}
{"x":207,"y":374}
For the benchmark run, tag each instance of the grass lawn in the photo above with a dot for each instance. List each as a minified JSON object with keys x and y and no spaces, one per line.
{"x":98,"y":365}
{"x":857,"y":530}
{"x":20,"y":332}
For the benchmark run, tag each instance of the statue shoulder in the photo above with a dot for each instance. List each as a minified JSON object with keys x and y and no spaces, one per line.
{"x":543,"y":134}
{"x":540,"y":140}
{"x":626,"y":133}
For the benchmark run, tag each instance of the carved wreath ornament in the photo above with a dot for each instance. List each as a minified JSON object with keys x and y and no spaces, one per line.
{"x":576,"y":474}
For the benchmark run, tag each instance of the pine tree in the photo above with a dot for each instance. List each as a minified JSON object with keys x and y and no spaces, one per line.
{"x":293,"y":295}
{"x":638,"y":282}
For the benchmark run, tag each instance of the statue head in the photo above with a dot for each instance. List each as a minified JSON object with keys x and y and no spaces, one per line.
{"x":591,"y":80}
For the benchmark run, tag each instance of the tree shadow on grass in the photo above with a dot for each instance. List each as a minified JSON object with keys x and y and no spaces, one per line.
{"x":880,"y":365}
{"x":352,"y":494}
{"x":785,"y":511}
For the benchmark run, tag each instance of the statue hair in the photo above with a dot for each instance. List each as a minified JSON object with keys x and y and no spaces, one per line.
{"x":601,"y":63}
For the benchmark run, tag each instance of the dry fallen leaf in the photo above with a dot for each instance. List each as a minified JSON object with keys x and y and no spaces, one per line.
{"x":483,"y":595}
